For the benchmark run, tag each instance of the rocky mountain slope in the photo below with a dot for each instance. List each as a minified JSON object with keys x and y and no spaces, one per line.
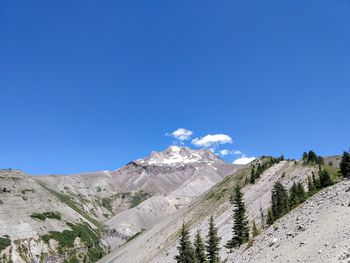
{"x":28,"y":214}
{"x":36,"y":212}
{"x":159,"y":243}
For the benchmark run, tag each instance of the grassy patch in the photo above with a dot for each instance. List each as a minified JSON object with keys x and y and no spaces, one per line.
{"x":4,"y":243}
{"x":95,"y":253}
{"x":138,"y":198}
{"x":50,"y":215}
{"x":67,"y":237}
{"x":68,"y":201}
{"x":107,"y":203}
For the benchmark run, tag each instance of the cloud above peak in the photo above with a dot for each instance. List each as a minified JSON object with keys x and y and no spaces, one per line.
{"x":244,"y":160}
{"x":181,"y":134}
{"x":211,"y":140}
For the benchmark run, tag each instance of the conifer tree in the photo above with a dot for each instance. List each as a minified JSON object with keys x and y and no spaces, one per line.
{"x":252,"y":176}
{"x":255,"y":229}
{"x":325,"y":179}
{"x":345,"y":165}
{"x":293,"y":195}
{"x":310,"y":185}
{"x":311,"y":156}
{"x":301,"y":192}
{"x":199,"y":248}
{"x":212,"y":243}
{"x":240,"y":227}
{"x":279,"y":198}
{"x":304,"y":156}
{"x":315,"y":181}
{"x":185,"y":248}
{"x":269,"y":219}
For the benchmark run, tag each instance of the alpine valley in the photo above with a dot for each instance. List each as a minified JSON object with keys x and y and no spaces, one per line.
{"x":138,"y":213}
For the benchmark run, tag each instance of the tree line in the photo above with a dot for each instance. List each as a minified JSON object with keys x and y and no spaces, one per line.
{"x":282,"y":201}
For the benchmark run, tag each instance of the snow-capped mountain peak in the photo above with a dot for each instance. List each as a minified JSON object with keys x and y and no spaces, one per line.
{"x":174,"y":155}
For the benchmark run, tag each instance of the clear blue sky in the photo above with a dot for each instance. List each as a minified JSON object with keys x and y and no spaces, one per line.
{"x":91,"y":85}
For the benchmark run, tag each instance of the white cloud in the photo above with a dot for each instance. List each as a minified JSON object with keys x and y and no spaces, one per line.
{"x":212,"y":140}
{"x":244,"y":160}
{"x":237,"y":152}
{"x":225,"y":152}
{"x":181,"y":134}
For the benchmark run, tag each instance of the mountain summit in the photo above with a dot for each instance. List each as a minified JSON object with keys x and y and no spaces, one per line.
{"x":175,"y":155}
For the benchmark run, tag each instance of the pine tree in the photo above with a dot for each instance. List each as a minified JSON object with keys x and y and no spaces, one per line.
{"x":345,"y":165}
{"x":301,"y":192}
{"x":293,"y":195}
{"x":186,"y":251}
{"x":304,"y":156}
{"x":199,"y":248}
{"x":280,"y":200}
{"x":312,"y":157}
{"x":315,"y":181}
{"x":212,"y":243}
{"x":325,"y":179}
{"x":310,"y":185}
{"x":255,"y":229}
{"x":252,"y":176}
{"x":240,"y":227}
{"x":269,"y":219}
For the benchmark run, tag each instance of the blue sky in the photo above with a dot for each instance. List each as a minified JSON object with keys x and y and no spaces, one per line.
{"x":91,"y":85}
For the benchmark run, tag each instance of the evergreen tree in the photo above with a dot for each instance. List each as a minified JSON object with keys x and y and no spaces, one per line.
{"x":186,"y":251}
{"x":304,"y":156}
{"x":311,"y":157}
{"x":212,"y":243}
{"x":252,"y":176}
{"x":269,"y":219}
{"x":293,"y":195}
{"x":301,"y":192}
{"x":325,"y":179}
{"x":255,"y":229}
{"x":345,"y":165}
{"x":279,"y":198}
{"x":310,"y":185}
{"x":199,"y":248}
{"x":240,"y":227}
{"x":315,"y":181}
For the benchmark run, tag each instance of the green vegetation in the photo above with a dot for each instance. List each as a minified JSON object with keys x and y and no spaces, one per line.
{"x":312,"y":158}
{"x":255,"y":229}
{"x":43,"y":216}
{"x":212,"y":243}
{"x":4,"y":242}
{"x":68,"y":201}
{"x":279,"y":199}
{"x":283,"y":202}
{"x":240,"y":227}
{"x":98,"y":189}
{"x":199,"y":248}
{"x":345,"y":165}
{"x":107,"y":203}
{"x":87,"y":236}
{"x":72,"y":259}
{"x":185,"y":248}
{"x":138,"y":198}
{"x":260,"y":168}
{"x":95,"y":253}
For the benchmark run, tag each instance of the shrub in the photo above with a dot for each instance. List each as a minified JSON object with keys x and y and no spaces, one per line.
{"x":50,"y":215}
{"x":4,"y":243}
